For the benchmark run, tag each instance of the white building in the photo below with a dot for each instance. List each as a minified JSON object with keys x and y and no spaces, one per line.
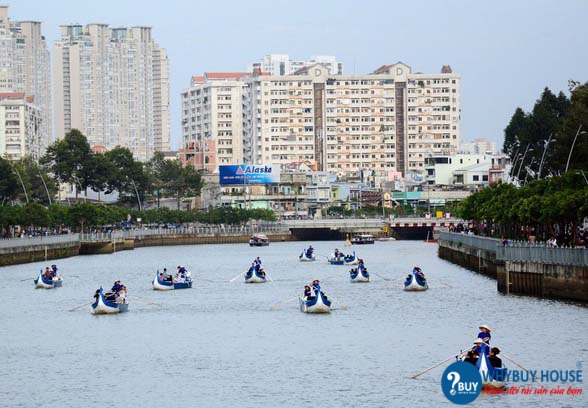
{"x":461,"y":169}
{"x":385,"y":121}
{"x":21,"y":127}
{"x":25,"y":69}
{"x":112,"y":84}
{"x":281,"y":64}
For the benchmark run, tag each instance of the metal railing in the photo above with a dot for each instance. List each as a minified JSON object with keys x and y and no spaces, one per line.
{"x":472,"y":241}
{"x":516,"y":251}
{"x":525,"y":252}
{"x":216,"y":230}
{"x":38,"y":241}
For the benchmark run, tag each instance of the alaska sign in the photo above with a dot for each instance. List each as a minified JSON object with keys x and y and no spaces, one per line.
{"x":249,"y":174}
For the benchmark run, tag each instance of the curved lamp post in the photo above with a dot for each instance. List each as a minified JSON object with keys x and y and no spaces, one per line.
{"x":572,"y":148}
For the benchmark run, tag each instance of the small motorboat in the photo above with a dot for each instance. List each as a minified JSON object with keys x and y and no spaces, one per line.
{"x":254,"y":276}
{"x":491,"y":376}
{"x":103,"y":306}
{"x":159,"y":284}
{"x":317,"y":304}
{"x":307,"y":256}
{"x":351,"y":259}
{"x":362,"y":239}
{"x":359,"y":275}
{"x":43,"y":283}
{"x":414,"y":283}
{"x":259,"y":240}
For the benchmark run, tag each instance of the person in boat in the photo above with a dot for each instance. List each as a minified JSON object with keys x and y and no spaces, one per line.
{"x":54,"y":270}
{"x":116,"y":287}
{"x":96,"y":294}
{"x":111,"y":296}
{"x":310,"y":251}
{"x":419,"y":273}
{"x":167,"y":277}
{"x":471,"y":358}
{"x":47,"y":274}
{"x":308,"y":293}
{"x":484,"y":334}
{"x":258,"y":261}
{"x":251,"y":268}
{"x":353,"y":271}
{"x":261,"y":272}
{"x":338,"y":254}
{"x":316,"y":285}
{"x":478,"y":347}
{"x":182,"y":270}
{"x":122,"y":295}
{"x":493,"y":357}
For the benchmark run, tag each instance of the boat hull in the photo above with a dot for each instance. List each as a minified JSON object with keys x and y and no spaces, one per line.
{"x":167,"y":285}
{"x":258,"y":244}
{"x":351,"y":260}
{"x":42,"y":283}
{"x":336,"y":261}
{"x":360,"y":277}
{"x":317,"y":305}
{"x":103,"y":306}
{"x":414,"y":285}
{"x":305,"y":258}
{"x":255,"y":277}
{"x":484,"y":366}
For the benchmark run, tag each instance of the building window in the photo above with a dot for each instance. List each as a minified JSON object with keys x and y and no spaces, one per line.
{"x":476,"y":178}
{"x":485,"y":178}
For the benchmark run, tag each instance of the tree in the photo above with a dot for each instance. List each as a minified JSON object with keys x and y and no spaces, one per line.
{"x":577,"y":115}
{"x":9,"y":184}
{"x":180,"y":181}
{"x":67,"y":157}
{"x":40,"y":186}
{"x":127,"y":175}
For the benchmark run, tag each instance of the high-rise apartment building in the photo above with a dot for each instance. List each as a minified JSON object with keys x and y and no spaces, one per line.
{"x":389,"y":120}
{"x":113,"y":85}
{"x":25,"y":69}
{"x":21,"y":127}
{"x":281,"y":64}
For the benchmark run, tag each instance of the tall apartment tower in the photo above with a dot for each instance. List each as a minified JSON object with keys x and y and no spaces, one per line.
{"x":25,"y":69}
{"x":385,"y":121}
{"x":113,"y":85}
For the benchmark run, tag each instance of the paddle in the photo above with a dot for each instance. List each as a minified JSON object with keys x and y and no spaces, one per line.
{"x":514,"y":362}
{"x":274,"y":306}
{"x":377,"y":274}
{"x":77,"y":307}
{"x":242,"y":273}
{"x":342,"y":307}
{"x":414,"y":377}
{"x":26,"y":279}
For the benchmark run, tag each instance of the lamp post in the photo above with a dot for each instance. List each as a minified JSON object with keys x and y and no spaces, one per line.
{"x":572,"y":148}
{"x":20,"y":179}
{"x":523,"y":160}
{"x":543,"y":156}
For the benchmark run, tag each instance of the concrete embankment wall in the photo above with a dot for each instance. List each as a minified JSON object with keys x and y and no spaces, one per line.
{"x":44,"y":252}
{"x":36,"y":253}
{"x":529,"y":278}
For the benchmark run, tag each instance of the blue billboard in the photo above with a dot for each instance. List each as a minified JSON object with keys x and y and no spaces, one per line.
{"x":249,"y":174}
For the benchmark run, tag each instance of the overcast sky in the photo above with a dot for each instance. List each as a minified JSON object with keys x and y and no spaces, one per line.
{"x":505,"y":51}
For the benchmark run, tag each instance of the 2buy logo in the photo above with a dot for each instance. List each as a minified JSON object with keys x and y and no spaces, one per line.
{"x":461,"y":383}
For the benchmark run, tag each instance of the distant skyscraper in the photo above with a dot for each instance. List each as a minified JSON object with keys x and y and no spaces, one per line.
{"x":113,"y":85}
{"x":281,"y":64}
{"x":25,"y":71}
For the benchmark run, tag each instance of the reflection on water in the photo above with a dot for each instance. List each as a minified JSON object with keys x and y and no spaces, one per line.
{"x":222,"y":344}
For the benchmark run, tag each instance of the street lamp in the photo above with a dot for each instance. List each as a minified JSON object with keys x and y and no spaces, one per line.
{"x":572,"y":148}
{"x":543,"y":156}
{"x":523,"y":160}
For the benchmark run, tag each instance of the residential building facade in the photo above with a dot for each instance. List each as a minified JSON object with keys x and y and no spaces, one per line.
{"x":25,"y":69}
{"x":464,"y":169}
{"x":21,"y":127}
{"x":386,"y":121}
{"x":479,"y":146}
{"x":281,"y":64}
{"x":113,"y":85}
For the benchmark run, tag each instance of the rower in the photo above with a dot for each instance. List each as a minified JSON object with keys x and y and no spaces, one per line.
{"x":261,"y":272}
{"x":307,"y":293}
{"x":471,"y":358}
{"x":419,"y":273}
{"x":54,"y":270}
{"x":310,"y":250}
{"x":122,"y":295}
{"x":258,"y":261}
{"x":48,"y":274}
{"x":484,"y":334}
{"x":116,"y":287}
{"x":478,"y":347}
{"x":494,"y":359}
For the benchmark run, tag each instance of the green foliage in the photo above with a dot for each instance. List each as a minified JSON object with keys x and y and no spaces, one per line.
{"x":539,"y":205}
{"x":9,"y":184}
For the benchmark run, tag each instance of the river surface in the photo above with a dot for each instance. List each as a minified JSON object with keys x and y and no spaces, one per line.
{"x":225,"y":344}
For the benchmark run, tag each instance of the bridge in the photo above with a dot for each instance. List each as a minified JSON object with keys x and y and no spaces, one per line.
{"x":404,"y":227}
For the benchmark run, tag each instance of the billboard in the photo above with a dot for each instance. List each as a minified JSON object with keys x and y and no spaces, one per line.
{"x":249,"y":174}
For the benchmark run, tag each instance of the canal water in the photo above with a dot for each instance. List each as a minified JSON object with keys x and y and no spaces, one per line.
{"x":238,"y":345}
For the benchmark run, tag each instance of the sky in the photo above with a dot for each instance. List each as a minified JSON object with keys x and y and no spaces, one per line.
{"x":505,"y":51}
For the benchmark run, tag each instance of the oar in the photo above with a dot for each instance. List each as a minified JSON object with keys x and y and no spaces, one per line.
{"x":449,"y":286}
{"x":430,"y":368}
{"x":377,"y":274}
{"x":144,"y":300}
{"x":514,"y":362}
{"x":274,"y":306}
{"x":22,"y":280}
{"x":342,"y":307}
{"x":242,"y":273}
{"x":77,"y":307}
{"x":268,"y":278}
